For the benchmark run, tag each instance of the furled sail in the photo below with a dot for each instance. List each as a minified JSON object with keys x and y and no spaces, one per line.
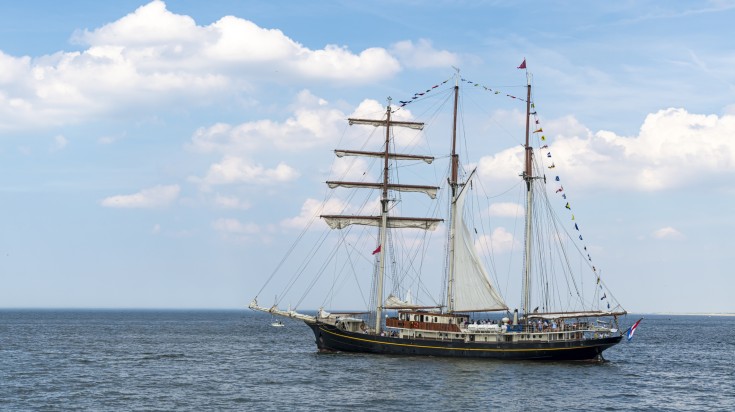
{"x":472,"y":291}
{"x":342,"y":221}
{"x":376,"y":123}
{"x":395,"y":302}
{"x":428,"y":190}
{"x":584,"y":314}
{"x":396,"y":156}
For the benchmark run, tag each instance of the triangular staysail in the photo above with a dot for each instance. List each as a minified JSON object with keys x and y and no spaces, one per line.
{"x":472,"y":291}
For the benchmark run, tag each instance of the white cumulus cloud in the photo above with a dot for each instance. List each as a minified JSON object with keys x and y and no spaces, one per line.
{"x":673,"y":149}
{"x":233,"y":169}
{"x":312,"y":209}
{"x":154,"y":197}
{"x":499,"y":241}
{"x":423,"y":55}
{"x":312,"y":123}
{"x":231,"y":202}
{"x":60,"y":143}
{"x":506,"y":209}
{"x":153,"y":56}
{"x":668,"y":233}
{"x":351,"y":169}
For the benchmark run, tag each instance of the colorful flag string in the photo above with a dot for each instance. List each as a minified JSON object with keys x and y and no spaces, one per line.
{"x":567,"y":204}
{"x":418,"y":95}
{"x":491,"y":90}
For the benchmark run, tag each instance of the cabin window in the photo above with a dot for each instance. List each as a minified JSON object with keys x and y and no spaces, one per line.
{"x":435,"y":319}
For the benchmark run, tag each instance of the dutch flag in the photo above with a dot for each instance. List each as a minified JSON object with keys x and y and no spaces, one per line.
{"x":632,"y":329}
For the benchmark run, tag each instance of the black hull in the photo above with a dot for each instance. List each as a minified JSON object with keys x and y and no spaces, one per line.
{"x":330,"y":338}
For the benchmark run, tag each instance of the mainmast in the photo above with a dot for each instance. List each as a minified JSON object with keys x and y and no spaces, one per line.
{"x":468,"y":285}
{"x":453,"y":185}
{"x":528,"y":177}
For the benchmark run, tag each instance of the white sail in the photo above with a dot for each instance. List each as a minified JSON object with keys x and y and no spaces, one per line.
{"x":472,"y":291}
{"x":583,"y":314}
{"x":395,"y":303}
{"x":396,"y":156}
{"x":377,"y":123}
{"x":428,"y":190}
{"x":341,"y":222}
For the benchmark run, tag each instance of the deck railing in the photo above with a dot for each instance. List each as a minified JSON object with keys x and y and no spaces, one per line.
{"x":406,"y":324}
{"x":562,"y":331}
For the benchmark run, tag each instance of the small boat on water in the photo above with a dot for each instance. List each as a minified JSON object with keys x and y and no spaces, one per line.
{"x":277,"y":324}
{"x":564,"y":311}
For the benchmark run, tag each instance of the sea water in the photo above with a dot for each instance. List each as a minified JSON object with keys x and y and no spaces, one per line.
{"x":235,"y":360}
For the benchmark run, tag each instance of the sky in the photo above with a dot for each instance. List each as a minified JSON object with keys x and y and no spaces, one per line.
{"x":164,"y":154}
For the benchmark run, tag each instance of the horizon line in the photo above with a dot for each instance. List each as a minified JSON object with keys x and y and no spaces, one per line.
{"x":245,"y":308}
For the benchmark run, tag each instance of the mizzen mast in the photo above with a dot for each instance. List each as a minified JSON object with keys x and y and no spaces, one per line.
{"x":528,"y":177}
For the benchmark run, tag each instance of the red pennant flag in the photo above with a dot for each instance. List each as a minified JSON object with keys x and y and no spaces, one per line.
{"x":376,"y":251}
{"x":523,"y":65}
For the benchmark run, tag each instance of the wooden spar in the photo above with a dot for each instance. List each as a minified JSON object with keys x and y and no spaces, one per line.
{"x":395,"y":156}
{"x":429,"y":190}
{"x":569,"y":315}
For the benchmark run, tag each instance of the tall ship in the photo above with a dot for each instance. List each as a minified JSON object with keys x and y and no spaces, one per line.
{"x":563,"y":312}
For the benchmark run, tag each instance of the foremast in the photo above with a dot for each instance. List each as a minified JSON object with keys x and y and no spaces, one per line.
{"x":383,"y":231}
{"x":384,"y":221}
